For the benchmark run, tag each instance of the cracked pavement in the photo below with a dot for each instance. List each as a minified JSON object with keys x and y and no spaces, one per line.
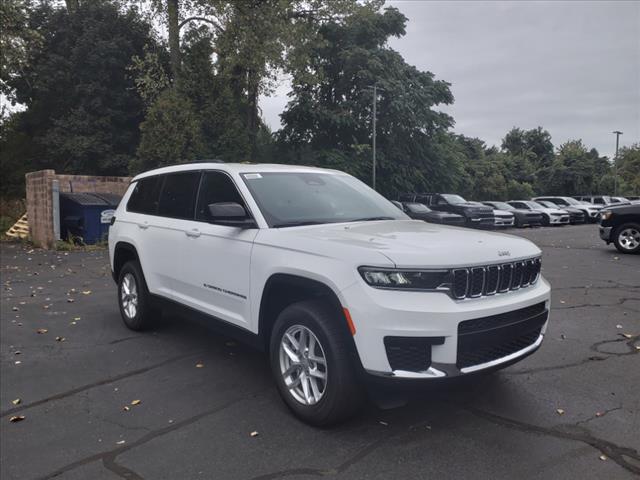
{"x":196,"y":422}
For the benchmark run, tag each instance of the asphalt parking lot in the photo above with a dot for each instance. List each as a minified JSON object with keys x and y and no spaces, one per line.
{"x":572,"y":410}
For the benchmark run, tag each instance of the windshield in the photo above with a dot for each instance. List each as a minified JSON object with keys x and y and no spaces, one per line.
{"x":453,"y":198}
{"x":547,"y":204}
{"x":534,"y":205}
{"x":417,"y":208}
{"x":501,"y":206}
{"x":289,"y":199}
{"x":572,"y":201}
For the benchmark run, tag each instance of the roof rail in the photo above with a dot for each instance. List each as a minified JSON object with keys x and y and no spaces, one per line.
{"x":207,"y":160}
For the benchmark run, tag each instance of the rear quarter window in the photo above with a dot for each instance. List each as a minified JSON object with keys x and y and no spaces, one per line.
{"x":145,"y":195}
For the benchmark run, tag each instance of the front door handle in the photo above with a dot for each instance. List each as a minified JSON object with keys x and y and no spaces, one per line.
{"x":193,"y":233}
{"x":143,"y":226}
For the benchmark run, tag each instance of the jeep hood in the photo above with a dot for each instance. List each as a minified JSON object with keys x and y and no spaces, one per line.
{"x":411,"y":243}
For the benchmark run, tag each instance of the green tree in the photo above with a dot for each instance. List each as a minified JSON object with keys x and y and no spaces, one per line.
{"x":533,"y":146}
{"x":82,"y":111}
{"x":330,"y":112}
{"x":629,"y":169}
{"x":171,"y":133}
{"x":17,"y":38}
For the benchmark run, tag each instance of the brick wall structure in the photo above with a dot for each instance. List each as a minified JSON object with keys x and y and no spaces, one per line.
{"x":40,"y":198}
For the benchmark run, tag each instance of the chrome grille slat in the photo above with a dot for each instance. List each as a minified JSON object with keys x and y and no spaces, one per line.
{"x":488,"y":280}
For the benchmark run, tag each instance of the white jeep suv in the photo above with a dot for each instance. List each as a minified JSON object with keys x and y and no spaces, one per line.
{"x":327,"y":276}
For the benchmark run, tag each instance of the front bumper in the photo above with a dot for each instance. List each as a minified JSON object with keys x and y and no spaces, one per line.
{"x":435,"y":319}
{"x":605,"y":234}
{"x":481,"y":222}
{"x":504,"y":221}
{"x":559,"y":220}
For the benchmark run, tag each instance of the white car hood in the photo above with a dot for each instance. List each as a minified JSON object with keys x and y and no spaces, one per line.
{"x":406,"y":243}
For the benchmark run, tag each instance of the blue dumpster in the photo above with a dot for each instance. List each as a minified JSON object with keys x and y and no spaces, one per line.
{"x":85,"y":217}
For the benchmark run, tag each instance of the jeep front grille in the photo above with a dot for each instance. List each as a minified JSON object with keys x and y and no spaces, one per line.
{"x":489,"y":280}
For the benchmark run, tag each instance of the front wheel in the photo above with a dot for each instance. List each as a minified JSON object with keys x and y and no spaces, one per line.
{"x":134,"y":299}
{"x":626,"y":238}
{"x":310,"y":354}
{"x":546,"y":220}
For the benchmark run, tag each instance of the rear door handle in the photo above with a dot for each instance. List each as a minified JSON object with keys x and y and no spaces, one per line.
{"x":193,"y":233}
{"x":143,"y":226}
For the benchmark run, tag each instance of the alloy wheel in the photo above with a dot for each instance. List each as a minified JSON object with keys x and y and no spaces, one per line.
{"x":629,"y":238}
{"x":129,"y":295}
{"x":303,"y":365}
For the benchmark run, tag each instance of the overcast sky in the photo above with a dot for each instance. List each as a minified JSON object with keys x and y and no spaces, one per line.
{"x":571,"y":67}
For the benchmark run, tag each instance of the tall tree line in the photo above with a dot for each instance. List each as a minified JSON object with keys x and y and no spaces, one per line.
{"x":114,"y":87}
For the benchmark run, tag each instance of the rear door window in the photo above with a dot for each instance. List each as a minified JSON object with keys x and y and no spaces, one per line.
{"x":178,"y":196}
{"x":145,"y":195}
{"x":216,"y":187}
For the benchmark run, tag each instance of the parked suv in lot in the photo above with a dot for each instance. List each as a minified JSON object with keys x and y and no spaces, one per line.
{"x":590,"y":210}
{"x":550,"y":216}
{"x":621,"y":225}
{"x":327,"y":276}
{"x":476,"y":215}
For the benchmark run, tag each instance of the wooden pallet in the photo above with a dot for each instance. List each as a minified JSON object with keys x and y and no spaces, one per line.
{"x":20,"y":229}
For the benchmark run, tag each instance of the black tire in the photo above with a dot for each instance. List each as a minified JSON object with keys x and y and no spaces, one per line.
{"x":618,"y":238}
{"x":145,"y":312}
{"x":343,"y":392}
{"x":545,"y":220}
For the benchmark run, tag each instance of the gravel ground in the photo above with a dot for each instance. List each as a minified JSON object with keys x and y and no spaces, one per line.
{"x":569,"y":411}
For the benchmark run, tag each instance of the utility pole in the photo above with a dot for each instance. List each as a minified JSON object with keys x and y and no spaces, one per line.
{"x":375,"y":117}
{"x":615,"y":164}
{"x":375,"y":101}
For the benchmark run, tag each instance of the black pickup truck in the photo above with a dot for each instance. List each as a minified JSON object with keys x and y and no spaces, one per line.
{"x":475,"y":215}
{"x":621,"y":225}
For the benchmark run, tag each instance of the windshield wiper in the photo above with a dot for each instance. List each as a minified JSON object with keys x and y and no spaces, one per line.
{"x":300,"y":223}
{"x":371,"y":219}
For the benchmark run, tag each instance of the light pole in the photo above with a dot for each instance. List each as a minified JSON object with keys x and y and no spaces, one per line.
{"x":375,"y":101}
{"x":615,"y":164}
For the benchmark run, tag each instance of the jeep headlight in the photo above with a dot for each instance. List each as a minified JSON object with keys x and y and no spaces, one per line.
{"x":606,"y":215}
{"x":398,"y":279}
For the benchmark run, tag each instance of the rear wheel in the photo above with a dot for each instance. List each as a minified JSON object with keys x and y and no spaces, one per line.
{"x":311,"y":362}
{"x":626,"y":238}
{"x":546,"y":221}
{"x":134,"y":299}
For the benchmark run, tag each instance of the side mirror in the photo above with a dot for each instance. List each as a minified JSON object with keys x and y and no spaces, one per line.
{"x":230,"y":214}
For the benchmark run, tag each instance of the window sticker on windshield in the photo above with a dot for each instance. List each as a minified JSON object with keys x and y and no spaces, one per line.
{"x":252,"y":176}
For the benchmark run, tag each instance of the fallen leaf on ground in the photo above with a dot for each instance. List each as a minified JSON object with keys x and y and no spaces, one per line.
{"x":70,"y":300}
{"x":86,"y":292}
{"x":16,"y":401}
{"x":254,"y":434}
{"x":60,"y":339}
{"x":126,"y":408}
{"x":383,"y":423}
{"x":602,"y":457}
{"x":136,"y":402}
{"x":199,"y":365}
{"x":42,"y":330}
{"x":618,"y":326}
{"x":120,"y":442}
{"x":16,"y":418}
{"x":560,"y":411}
{"x":15,"y":309}
{"x":627,"y":335}
{"x":17,"y":362}
{"x":76,"y":318}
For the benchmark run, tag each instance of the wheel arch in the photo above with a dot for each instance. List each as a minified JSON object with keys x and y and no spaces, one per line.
{"x":123,"y":252}
{"x":284,"y":289}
